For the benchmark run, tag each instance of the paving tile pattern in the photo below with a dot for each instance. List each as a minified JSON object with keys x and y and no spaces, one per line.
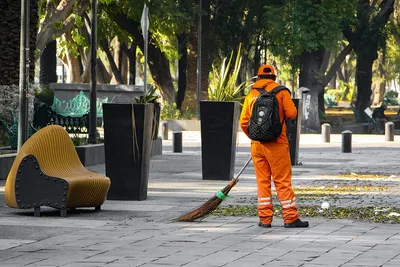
{"x":141,"y":233}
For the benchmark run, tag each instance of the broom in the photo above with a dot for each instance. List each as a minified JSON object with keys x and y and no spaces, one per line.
{"x":213,"y":203}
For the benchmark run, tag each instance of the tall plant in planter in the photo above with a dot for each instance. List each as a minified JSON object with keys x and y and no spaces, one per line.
{"x":223,"y":84}
{"x":128,"y":137}
{"x":220,"y":120}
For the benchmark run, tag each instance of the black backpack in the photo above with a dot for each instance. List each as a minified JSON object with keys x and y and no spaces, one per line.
{"x":264,"y":124}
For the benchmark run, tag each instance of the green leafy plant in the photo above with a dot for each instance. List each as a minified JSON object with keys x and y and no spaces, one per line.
{"x":344,"y":91}
{"x":78,"y":140}
{"x":149,"y":97}
{"x":223,"y":81}
{"x":170,"y":112}
{"x":390,"y":98}
{"x":44,"y":94}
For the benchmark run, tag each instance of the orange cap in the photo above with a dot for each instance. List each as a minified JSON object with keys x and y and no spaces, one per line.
{"x":266,"y":69}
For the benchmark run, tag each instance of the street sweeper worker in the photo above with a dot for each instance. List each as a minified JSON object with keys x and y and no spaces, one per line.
{"x":271,"y":158}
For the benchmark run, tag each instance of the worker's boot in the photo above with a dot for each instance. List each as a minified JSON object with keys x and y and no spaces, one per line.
{"x":264,"y":225}
{"x":297,"y":224}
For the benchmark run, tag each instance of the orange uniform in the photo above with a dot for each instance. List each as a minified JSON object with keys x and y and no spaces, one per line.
{"x":272,"y":158}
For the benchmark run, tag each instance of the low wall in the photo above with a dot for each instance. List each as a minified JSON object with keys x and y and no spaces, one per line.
{"x":182,"y":125}
{"x":360,"y":128}
{"x":6,"y":162}
{"x":91,"y":154}
{"x":116,"y":93}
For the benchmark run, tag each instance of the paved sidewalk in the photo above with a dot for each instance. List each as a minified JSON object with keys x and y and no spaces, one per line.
{"x":141,"y":233}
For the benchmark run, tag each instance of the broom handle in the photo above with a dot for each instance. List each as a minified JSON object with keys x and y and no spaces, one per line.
{"x":244,"y":167}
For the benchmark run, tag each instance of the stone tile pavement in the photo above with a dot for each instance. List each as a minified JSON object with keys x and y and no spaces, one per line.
{"x":142,"y":233}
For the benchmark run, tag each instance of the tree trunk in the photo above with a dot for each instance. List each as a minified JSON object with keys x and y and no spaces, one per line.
{"x":124,"y":67}
{"x":367,"y":38}
{"x":48,"y":64}
{"x":182,"y":68}
{"x":73,"y":63}
{"x":344,"y":79}
{"x":310,"y":64}
{"x":160,"y":72}
{"x":131,"y":54}
{"x":157,"y":61}
{"x":332,"y":83}
{"x":207,"y":52}
{"x":58,"y":20}
{"x":103,"y":76}
{"x":190,"y":100}
{"x":117,"y":78}
{"x":365,"y":61}
{"x":379,"y":89}
{"x":10,"y":25}
{"x":208,"y":49}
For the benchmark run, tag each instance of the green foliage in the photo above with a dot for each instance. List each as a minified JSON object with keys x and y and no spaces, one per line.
{"x":339,"y":93}
{"x":392,"y":66}
{"x":44,"y":94}
{"x":392,"y":94}
{"x":149,"y":97}
{"x":170,"y":112}
{"x":79,"y":141}
{"x":330,"y":101}
{"x":223,"y":81}
{"x":167,"y":19}
{"x":298,"y":26}
{"x":108,"y":29}
{"x":390,"y":98}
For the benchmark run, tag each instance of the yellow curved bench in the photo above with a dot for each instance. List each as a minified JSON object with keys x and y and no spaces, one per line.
{"x":47,"y":172}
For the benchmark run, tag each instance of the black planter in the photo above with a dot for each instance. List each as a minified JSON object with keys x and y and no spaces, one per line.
{"x":219,"y":125}
{"x":127,"y":161}
{"x":293,"y":128}
{"x":156,"y":120}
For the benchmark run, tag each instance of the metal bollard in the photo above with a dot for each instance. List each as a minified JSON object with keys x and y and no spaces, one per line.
{"x":177,"y":142}
{"x":346,"y":141}
{"x":389,"y":131}
{"x":326,"y":133}
{"x":165,"y":130}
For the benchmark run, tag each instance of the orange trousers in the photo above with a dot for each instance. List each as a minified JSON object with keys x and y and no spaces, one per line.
{"x":273,"y":159}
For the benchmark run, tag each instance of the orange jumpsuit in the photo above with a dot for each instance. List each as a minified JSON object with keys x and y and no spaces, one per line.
{"x":272,"y":158}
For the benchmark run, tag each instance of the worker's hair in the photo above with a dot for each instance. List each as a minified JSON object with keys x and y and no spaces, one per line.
{"x":269,"y":76}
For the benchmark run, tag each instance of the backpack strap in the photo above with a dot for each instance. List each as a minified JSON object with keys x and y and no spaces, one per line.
{"x":279,"y":88}
{"x":260,"y":90}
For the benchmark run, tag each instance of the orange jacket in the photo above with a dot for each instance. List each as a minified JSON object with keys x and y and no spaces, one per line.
{"x":286,"y":106}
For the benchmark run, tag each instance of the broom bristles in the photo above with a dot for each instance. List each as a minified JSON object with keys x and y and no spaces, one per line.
{"x":208,"y":207}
